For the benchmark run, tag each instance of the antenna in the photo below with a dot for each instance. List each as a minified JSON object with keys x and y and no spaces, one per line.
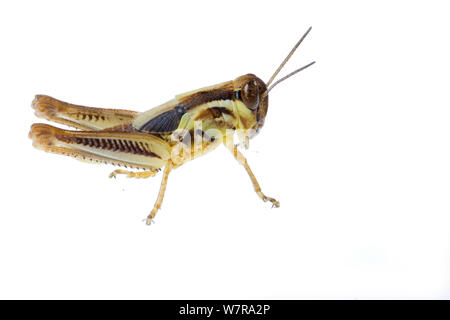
{"x":288,"y":57}
{"x":288,"y":76}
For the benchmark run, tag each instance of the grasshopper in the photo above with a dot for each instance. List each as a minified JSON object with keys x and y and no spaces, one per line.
{"x":167,"y":136}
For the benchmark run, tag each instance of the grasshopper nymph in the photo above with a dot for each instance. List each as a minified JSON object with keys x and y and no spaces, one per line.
{"x":169,"y":135}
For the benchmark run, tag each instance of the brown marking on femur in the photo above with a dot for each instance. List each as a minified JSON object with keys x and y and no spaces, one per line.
{"x":127,"y":146}
{"x":128,"y":127}
{"x":116,"y":146}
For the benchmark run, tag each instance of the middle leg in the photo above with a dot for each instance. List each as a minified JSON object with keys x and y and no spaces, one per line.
{"x":133,"y":174}
{"x":162,"y":190}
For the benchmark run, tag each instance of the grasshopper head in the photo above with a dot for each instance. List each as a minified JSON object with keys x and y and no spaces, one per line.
{"x":252,"y":92}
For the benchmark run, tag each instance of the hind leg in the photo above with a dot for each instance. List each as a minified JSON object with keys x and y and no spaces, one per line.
{"x":80,"y":117}
{"x":126,"y":149}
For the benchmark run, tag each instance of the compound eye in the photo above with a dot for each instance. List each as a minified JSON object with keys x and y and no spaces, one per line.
{"x":250,"y":95}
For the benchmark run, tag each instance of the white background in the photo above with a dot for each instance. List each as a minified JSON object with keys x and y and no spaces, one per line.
{"x":356,"y":148}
